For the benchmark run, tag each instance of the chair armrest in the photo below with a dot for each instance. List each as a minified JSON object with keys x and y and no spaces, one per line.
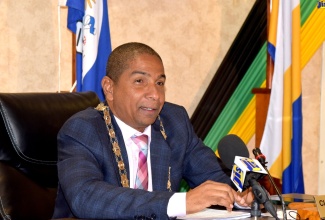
{"x":41,"y":200}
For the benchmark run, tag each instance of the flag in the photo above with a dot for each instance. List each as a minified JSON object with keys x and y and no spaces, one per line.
{"x":88,"y":19}
{"x":282,"y":137}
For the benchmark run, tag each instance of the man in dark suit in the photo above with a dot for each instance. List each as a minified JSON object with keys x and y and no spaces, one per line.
{"x":98,"y":159}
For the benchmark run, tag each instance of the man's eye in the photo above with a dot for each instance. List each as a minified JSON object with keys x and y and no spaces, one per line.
{"x":138,"y":80}
{"x":161,"y":83}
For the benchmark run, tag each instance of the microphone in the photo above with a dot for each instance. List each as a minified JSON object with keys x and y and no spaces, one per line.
{"x":234,"y":154}
{"x":245,"y":171}
{"x":259,"y":156}
{"x":262,"y":159}
{"x":229,"y":147}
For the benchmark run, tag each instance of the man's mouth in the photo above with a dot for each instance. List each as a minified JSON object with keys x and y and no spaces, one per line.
{"x":148,"y":109}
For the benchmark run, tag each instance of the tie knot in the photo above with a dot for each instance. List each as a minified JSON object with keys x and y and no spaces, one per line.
{"x":141,"y":141}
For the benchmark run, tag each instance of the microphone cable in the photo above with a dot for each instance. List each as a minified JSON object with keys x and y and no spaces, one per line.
{"x":262,"y":159}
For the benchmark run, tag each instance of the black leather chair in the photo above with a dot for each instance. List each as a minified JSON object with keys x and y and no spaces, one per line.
{"x":29,"y":125}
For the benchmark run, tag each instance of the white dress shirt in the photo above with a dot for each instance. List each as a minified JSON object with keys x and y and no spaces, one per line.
{"x":177,"y":203}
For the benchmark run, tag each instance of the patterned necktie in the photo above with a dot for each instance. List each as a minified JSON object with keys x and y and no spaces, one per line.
{"x":141,"y":181}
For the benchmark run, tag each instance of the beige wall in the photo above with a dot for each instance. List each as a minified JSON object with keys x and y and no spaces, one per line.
{"x":321,"y":152}
{"x":191,"y":36}
{"x":29,"y":46}
{"x":311,"y":78}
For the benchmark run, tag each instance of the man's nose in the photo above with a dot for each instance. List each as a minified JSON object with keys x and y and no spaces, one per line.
{"x":153,"y":92}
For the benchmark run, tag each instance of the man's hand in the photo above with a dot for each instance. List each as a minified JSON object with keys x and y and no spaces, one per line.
{"x":247,"y":197}
{"x":211,"y":193}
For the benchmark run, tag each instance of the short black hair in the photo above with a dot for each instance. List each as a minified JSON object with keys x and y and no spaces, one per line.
{"x":120,"y":57}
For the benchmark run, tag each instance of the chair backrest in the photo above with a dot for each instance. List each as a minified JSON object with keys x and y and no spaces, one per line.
{"x":29,"y":125}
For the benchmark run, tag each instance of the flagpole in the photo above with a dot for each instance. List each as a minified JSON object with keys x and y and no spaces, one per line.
{"x":263,"y":94}
{"x":73,"y":59}
{"x":262,"y":103}
{"x":269,"y":61}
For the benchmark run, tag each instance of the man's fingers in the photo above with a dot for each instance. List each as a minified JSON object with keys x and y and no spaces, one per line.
{"x":210,"y":193}
{"x":245,"y":198}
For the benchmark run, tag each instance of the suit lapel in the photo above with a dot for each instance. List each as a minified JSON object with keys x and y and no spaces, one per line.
{"x":160,"y":154}
{"x":121,"y":143}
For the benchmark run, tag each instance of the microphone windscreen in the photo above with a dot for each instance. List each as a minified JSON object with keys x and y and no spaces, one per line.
{"x":229,"y":147}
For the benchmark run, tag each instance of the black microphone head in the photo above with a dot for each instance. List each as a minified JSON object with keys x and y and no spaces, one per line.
{"x":229,"y":147}
{"x":259,"y":156}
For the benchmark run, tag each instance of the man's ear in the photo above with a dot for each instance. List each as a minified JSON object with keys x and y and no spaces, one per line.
{"x":107,"y":85}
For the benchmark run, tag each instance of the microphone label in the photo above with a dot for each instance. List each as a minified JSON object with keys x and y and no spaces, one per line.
{"x":251,"y":165}
{"x":237,"y":177}
{"x":243,"y":166}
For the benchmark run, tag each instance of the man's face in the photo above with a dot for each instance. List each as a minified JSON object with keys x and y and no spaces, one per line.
{"x":139,"y":94}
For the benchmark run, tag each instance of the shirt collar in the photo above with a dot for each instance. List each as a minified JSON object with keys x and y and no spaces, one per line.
{"x":128,"y":131}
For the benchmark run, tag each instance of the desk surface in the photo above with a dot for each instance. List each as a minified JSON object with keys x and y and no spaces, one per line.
{"x":262,"y":217}
{"x":222,"y":214}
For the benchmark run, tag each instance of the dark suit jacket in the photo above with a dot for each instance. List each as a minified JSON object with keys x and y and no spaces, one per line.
{"x":89,"y":180}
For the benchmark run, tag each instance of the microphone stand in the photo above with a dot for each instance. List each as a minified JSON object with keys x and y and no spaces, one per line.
{"x":260,"y":197}
{"x":255,"y":209}
{"x":277,"y":192}
{"x":261,"y":158}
